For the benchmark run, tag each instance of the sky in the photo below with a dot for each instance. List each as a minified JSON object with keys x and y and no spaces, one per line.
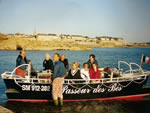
{"x":129,"y":19}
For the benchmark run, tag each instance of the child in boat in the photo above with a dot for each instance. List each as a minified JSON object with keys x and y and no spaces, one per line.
{"x":48,"y":63}
{"x":85,"y":72}
{"x":94,"y":73}
{"x":32,"y":70}
{"x":74,"y":73}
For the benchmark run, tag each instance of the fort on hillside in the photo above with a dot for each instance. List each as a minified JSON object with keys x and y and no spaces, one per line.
{"x":42,"y":41}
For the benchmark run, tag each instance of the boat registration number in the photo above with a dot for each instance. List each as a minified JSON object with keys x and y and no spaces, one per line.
{"x":35,"y":88}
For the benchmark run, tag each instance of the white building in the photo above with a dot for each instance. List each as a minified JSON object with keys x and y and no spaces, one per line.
{"x":41,"y":36}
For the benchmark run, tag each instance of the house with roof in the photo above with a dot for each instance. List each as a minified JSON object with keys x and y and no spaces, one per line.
{"x":42,"y":36}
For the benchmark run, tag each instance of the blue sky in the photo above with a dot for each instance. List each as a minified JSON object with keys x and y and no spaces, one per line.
{"x":129,"y":19}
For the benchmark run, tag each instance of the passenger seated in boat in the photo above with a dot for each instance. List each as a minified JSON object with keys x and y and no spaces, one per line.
{"x":74,"y":73}
{"x":85,"y":72}
{"x":21,"y":59}
{"x":32,"y":70}
{"x":78,"y":64}
{"x":48,"y":64}
{"x":94,"y":73}
{"x":92,"y":60}
{"x":65,"y":61}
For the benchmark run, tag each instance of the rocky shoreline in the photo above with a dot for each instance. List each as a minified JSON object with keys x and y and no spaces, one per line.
{"x":58,"y":44}
{"x":5,"y":110}
{"x":27,"y":44}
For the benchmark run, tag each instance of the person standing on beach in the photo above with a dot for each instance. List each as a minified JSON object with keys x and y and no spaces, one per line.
{"x":58,"y":80}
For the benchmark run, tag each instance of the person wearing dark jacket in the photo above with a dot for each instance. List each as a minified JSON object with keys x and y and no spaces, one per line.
{"x":58,"y":79}
{"x":65,"y":61}
{"x":21,"y":59}
{"x":92,"y":61}
{"x":48,"y":63}
{"x":74,"y":73}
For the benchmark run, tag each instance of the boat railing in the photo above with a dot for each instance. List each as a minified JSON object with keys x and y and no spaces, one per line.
{"x":80,"y":81}
{"x":19,"y":80}
{"x":146,"y":72}
{"x":140,"y":70}
{"x":127,"y":75}
{"x":104,"y":80}
{"x":14,"y":75}
{"x":121,"y":70}
{"x":131,"y":71}
{"x":28,"y":67}
{"x":32,"y":80}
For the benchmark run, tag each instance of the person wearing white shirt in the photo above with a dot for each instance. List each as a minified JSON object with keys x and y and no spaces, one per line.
{"x":85,"y":72}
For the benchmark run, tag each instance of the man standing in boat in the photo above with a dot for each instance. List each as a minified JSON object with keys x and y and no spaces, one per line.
{"x":21,"y":59}
{"x":92,"y":61}
{"x":58,"y":79}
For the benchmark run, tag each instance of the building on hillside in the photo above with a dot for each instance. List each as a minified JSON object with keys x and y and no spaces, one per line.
{"x":42,"y":36}
{"x":64,"y":36}
{"x":74,"y":37}
{"x":87,"y":40}
{"x":16,"y":35}
{"x":10,"y":35}
{"x":106,"y":38}
{"x":78,"y":37}
{"x":53,"y":36}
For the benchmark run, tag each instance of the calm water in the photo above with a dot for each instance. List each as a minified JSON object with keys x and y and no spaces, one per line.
{"x":106,"y":58}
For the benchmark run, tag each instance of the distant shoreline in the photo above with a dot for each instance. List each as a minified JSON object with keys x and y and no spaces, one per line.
{"x":63,"y":44}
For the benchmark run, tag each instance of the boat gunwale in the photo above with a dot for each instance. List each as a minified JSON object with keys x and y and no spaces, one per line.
{"x":67,"y":81}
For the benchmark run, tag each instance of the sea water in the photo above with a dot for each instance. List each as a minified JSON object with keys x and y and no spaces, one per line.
{"x":106,"y":57}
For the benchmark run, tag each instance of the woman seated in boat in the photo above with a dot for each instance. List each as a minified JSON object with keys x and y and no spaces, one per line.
{"x":85,"y":72}
{"x":74,"y":73}
{"x":94,"y":73}
{"x":48,"y":64}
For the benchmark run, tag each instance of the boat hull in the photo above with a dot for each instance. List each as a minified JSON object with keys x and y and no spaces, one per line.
{"x":38,"y":92}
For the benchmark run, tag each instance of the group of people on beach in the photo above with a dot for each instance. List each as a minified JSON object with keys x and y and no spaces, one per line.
{"x":59,"y":68}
